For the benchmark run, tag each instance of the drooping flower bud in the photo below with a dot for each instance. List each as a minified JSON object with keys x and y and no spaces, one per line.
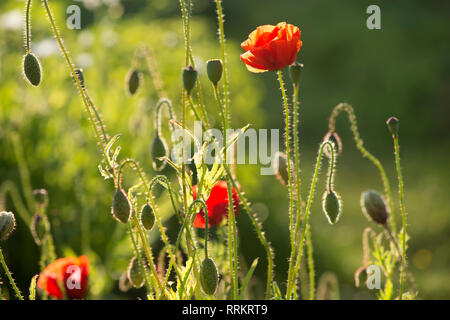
{"x":41,"y":197}
{"x":214,"y":68}
{"x":7,"y":224}
{"x":189,"y":78}
{"x":135,"y":273}
{"x":147,"y":217}
{"x":32,"y":69}
{"x":208,"y":276}
{"x":374,"y":207}
{"x":392,"y":124}
{"x":295,"y":70}
{"x":331,"y":205}
{"x":38,"y":228}
{"x":333,"y":137}
{"x":280,"y":167}
{"x":133,"y":80}
{"x":121,"y":208}
{"x":159,"y":150}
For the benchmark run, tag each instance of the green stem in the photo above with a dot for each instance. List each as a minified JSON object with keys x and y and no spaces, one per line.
{"x":8,"y":274}
{"x":258,"y":229}
{"x":291,"y":284}
{"x":290,"y":182}
{"x":359,"y":144}
{"x":138,"y":255}
{"x":403,"y":211}
{"x":309,"y":249}
{"x":74,"y":76}
{"x":232,"y":235}
{"x":28,"y":26}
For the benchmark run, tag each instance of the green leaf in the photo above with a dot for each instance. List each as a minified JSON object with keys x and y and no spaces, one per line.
{"x":248,"y":277}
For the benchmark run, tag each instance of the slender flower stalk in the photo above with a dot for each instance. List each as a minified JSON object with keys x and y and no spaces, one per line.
{"x":8,"y":274}
{"x":289,"y":171}
{"x":141,"y":262}
{"x":291,"y":284}
{"x":403,"y":211}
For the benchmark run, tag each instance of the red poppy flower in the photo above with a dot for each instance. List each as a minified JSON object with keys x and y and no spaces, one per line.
{"x":217,"y":205}
{"x":270,"y":48}
{"x":70,"y":273}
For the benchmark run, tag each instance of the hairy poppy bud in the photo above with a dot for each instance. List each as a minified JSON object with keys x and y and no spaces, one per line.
{"x":392,"y":124}
{"x":208,"y":276}
{"x":38,"y":228}
{"x":135,"y":273}
{"x":331,"y":206}
{"x":280,"y":167}
{"x":159,"y":150}
{"x":133,"y":81}
{"x":189,"y":78}
{"x":333,"y":137}
{"x":7,"y":224}
{"x":214,"y":68}
{"x":374,"y":207}
{"x":121,"y":208}
{"x":147,"y":217}
{"x":80,"y":75}
{"x":32,"y":69}
{"x":41,"y":197}
{"x":295,"y":70}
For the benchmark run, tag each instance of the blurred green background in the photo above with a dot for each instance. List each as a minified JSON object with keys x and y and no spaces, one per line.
{"x":402,"y":70}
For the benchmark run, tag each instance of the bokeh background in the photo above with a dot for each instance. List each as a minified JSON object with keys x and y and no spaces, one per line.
{"x":402,"y":70}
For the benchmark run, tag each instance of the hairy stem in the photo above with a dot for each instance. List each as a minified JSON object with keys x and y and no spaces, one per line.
{"x":403,"y":211}
{"x":8,"y":274}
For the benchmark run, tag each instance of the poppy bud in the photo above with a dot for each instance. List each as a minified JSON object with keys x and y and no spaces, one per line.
{"x":374,"y":207}
{"x":133,"y":80}
{"x":214,"y":68}
{"x":280,"y":167}
{"x":80,"y":75}
{"x":208,"y":276}
{"x":295,"y":70}
{"x":147,"y":217}
{"x":159,"y":150}
{"x":121,"y":208}
{"x":38,"y":228}
{"x":333,"y":137}
{"x":135,"y":273}
{"x":7,"y":224}
{"x":32,"y":69}
{"x":392,"y":124}
{"x":189,"y":78}
{"x":41,"y":197}
{"x":331,"y":206}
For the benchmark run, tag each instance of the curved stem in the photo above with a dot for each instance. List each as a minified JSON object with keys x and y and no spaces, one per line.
{"x":403,"y":211}
{"x":291,"y":283}
{"x":309,"y":248}
{"x":163,"y":102}
{"x":359,"y":144}
{"x":8,"y":274}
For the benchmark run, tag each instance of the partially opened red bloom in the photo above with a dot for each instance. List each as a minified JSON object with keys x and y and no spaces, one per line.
{"x":270,"y":48}
{"x":217,"y":205}
{"x":69,"y":273}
